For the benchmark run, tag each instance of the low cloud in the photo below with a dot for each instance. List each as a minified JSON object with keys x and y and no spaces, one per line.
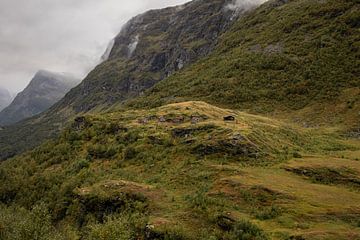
{"x":60,"y":35}
{"x":244,"y":5}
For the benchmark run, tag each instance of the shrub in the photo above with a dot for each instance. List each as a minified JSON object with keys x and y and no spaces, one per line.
{"x":99,"y":151}
{"x":129,"y":153}
{"x":117,"y":227}
{"x":113,"y":229}
{"x":268,"y":213}
{"x":245,"y":230}
{"x":81,"y":164}
{"x":21,"y":224}
{"x":297,"y":155}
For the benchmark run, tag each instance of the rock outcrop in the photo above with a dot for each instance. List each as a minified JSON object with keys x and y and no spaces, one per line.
{"x":150,"y":47}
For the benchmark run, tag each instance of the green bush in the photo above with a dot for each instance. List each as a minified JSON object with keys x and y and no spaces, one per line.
{"x":268,"y":213}
{"x":20,"y":224}
{"x":245,"y":230}
{"x":117,"y":227}
{"x":113,"y":229}
{"x":80,"y":164}
{"x":129,"y":153}
{"x":99,"y":151}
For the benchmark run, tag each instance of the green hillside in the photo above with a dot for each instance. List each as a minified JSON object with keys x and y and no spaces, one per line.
{"x":256,"y":137}
{"x":302,"y":55}
{"x":181,"y":172}
{"x":297,"y":59}
{"x":166,"y":40}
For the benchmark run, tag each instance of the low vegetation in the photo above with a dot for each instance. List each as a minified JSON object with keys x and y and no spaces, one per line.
{"x":164,"y":166}
{"x":297,"y":58}
{"x":175,"y":172}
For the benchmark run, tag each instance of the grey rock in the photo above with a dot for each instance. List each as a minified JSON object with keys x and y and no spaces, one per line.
{"x":44,"y":90}
{"x":149,"y":48}
{"x":5,"y":98}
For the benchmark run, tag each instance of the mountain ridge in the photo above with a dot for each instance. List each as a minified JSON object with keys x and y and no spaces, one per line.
{"x":257,"y":139}
{"x":45,"y":89}
{"x":5,"y":98}
{"x":120,"y":77}
{"x":248,"y":49}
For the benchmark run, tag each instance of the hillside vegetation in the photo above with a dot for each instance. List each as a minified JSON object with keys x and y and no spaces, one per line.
{"x":295,"y":57}
{"x":258,"y":138}
{"x":181,"y":172}
{"x":161,"y":42}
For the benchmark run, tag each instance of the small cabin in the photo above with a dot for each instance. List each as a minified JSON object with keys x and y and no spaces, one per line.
{"x":229,"y":118}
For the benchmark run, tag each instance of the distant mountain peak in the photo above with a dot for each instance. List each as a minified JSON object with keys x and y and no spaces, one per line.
{"x":45,"y":89}
{"x":5,"y":98}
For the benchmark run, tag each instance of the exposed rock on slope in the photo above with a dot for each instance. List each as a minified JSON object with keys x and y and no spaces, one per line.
{"x":190,"y":180}
{"x":300,"y":57}
{"x":150,"y":47}
{"x":5,"y":98}
{"x":44,"y":90}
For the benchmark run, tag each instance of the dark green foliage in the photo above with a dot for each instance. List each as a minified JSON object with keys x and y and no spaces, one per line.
{"x":81,"y":164}
{"x":130,"y":153}
{"x":290,"y":57}
{"x":266,"y":213}
{"x":99,"y":151}
{"x":297,"y":155}
{"x":275,"y":58}
{"x":19,"y":224}
{"x":245,"y":230}
{"x":342,"y":176}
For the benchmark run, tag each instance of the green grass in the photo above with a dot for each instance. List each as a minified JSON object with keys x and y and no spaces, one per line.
{"x":180,"y":171}
{"x":116,"y":168}
{"x":302,"y":55}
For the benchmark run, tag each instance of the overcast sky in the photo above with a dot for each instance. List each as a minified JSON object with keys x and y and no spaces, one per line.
{"x":60,"y":35}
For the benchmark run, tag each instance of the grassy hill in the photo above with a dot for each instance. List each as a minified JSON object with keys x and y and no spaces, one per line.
{"x":161,"y":42}
{"x":296,"y":59}
{"x":300,"y":58}
{"x":181,"y":172}
{"x":167,"y":165}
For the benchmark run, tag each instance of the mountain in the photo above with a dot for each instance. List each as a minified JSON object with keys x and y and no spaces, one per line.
{"x":5,"y":98}
{"x":279,"y":59}
{"x":149,"y":48}
{"x":250,"y":134}
{"x":45,"y":89}
{"x":295,"y":58}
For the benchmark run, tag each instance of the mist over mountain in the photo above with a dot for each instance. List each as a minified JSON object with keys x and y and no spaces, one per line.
{"x":45,"y":89}
{"x":212,"y":120}
{"x":5,"y":98}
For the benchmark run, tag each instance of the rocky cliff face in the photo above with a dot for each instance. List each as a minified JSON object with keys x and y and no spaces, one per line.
{"x":44,"y":90}
{"x":151,"y":47}
{"x":5,"y":98}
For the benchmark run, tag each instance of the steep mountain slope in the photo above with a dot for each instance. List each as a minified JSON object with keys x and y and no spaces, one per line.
{"x":149,"y":48}
{"x":181,"y":172}
{"x":299,"y":57}
{"x":5,"y":98}
{"x":45,"y":89}
{"x":123,"y":169}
